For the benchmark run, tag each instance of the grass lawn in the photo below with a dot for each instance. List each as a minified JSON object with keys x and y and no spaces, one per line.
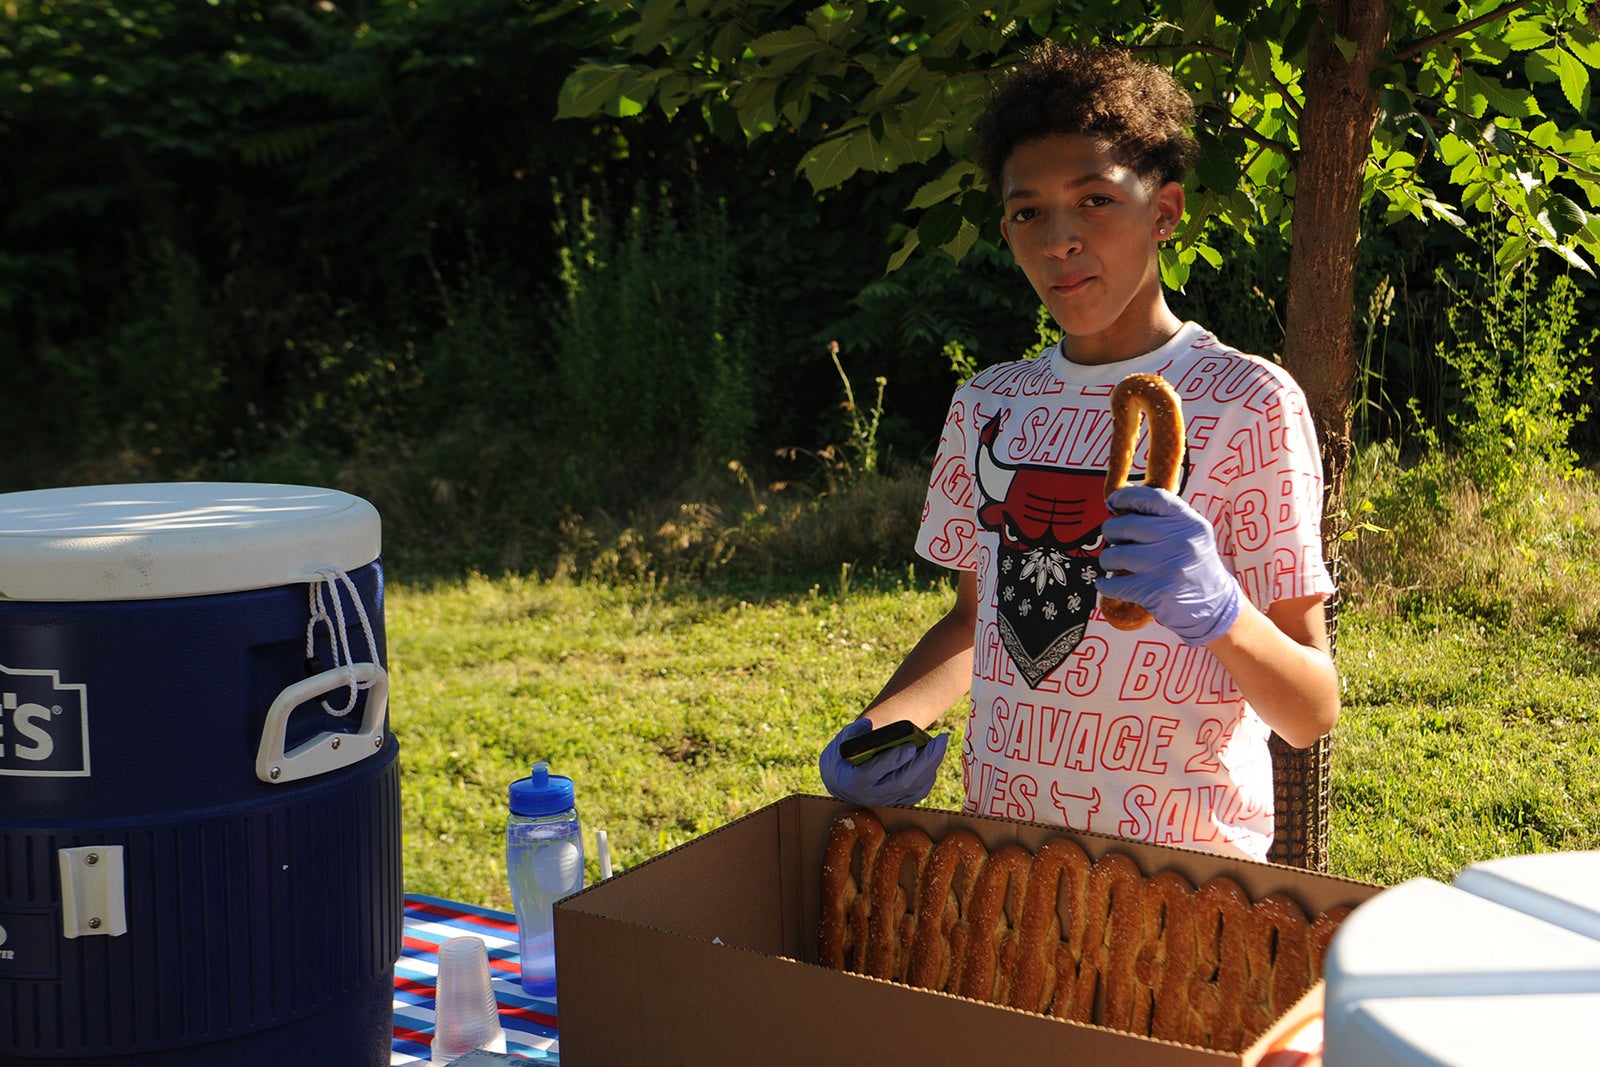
{"x":676,"y":709}
{"x":1461,"y":742}
{"x":673,"y":712}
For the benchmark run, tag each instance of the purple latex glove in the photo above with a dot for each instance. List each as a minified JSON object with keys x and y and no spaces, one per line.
{"x":1170,"y":553}
{"x":902,"y":775}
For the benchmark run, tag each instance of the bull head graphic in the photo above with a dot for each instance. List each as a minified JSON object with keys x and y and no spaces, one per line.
{"x":1048,"y":521}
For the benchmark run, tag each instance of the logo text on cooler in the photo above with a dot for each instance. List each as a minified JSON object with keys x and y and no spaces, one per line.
{"x":44,"y":724}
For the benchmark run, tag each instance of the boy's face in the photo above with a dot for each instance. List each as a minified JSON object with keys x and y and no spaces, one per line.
{"x":1086,"y":231}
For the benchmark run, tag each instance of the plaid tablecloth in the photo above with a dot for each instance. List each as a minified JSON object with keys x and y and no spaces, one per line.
{"x":529,"y":1022}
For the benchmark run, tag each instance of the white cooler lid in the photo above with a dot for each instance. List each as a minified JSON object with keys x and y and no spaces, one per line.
{"x":172,"y":539}
{"x":1498,"y":970}
{"x":1559,"y":887}
{"x":1423,"y":938}
{"x":1543,"y":1030}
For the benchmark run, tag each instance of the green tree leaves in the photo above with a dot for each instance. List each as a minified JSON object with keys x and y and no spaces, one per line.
{"x":618,"y":89}
{"x":873,"y":85}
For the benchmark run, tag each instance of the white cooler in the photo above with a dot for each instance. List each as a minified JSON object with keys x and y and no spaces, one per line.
{"x":1499,"y":969}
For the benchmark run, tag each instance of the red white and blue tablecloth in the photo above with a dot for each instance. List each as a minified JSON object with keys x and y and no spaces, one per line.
{"x":529,"y":1022}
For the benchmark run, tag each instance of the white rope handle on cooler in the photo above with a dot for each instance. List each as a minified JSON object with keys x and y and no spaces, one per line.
{"x":338,"y":636}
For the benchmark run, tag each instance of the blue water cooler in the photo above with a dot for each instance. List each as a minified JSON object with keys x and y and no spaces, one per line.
{"x":199,"y":793}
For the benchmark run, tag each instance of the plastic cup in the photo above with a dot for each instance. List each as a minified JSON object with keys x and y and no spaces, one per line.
{"x":466,"y":1016}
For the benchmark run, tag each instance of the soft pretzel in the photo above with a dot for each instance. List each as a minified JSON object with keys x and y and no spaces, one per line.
{"x":894,"y":893}
{"x":1110,"y":942}
{"x":995,"y":926}
{"x":1166,"y":956}
{"x":1052,"y":925}
{"x":1148,"y":396}
{"x":943,"y":908}
{"x":1054,"y":933}
{"x":1277,"y":959}
{"x":1216,"y":991}
{"x":1323,"y":927}
{"x":853,"y":846}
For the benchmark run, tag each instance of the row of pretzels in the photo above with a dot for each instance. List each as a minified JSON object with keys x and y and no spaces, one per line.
{"x":1053,"y":932}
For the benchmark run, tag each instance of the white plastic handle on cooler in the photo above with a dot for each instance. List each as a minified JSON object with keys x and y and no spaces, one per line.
{"x":327,"y":751}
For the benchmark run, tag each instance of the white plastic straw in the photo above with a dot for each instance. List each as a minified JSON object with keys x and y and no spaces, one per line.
{"x":602,"y":849}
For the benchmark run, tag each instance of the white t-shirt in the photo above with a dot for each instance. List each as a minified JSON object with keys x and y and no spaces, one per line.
{"x":1074,"y":722}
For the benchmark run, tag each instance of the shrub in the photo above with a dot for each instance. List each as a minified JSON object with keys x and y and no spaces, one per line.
{"x":1516,"y":369}
{"x":1433,"y":544}
{"x":655,"y":339}
{"x":1497,"y":522}
{"x":151,"y":387}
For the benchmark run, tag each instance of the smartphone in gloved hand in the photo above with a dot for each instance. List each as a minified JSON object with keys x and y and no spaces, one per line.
{"x":857,"y":750}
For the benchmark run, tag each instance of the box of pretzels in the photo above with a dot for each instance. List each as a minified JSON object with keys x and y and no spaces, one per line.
{"x":814,"y":931}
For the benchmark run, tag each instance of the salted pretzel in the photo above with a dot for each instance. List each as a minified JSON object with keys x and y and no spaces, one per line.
{"x":1216,"y":990}
{"x":1278,"y":959}
{"x":1110,"y":941}
{"x":994,"y":930}
{"x":896,"y":880}
{"x":1166,"y":956}
{"x":854,"y":842}
{"x":1146,"y":396}
{"x":1053,"y":917}
{"x":1323,"y":927}
{"x":944,"y":908}
{"x":1053,"y":933}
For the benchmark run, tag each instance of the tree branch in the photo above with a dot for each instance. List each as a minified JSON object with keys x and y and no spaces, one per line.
{"x":1230,"y":121}
{"x":1527,"y":143}
{"x":1283,"y":148}
{"x":1416,"y":48}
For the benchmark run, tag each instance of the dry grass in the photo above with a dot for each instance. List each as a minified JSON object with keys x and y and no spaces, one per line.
{"x":1527,"y":557}
{"x":729,"y":528}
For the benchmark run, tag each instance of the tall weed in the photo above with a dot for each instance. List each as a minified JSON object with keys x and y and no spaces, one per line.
{"x":355,"y":391}
{"x":152,"y":389}
{"x":655,"y":353}
{"x":854,"y":507}
{"x":1516,"y":368}
{"x":1434,"y":542}
{"x":1495,"y":521}
{"x":481,"y":362}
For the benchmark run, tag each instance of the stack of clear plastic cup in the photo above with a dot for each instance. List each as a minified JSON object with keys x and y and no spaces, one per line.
{"x":465,"y":1014}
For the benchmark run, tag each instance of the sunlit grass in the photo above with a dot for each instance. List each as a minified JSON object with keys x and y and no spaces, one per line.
{"x":1469,"y":649}
{"x":1461,"y":742}
{"x":673,"y":711}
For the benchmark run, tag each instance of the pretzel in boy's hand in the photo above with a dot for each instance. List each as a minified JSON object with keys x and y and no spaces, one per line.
{"x":1146,"y":396}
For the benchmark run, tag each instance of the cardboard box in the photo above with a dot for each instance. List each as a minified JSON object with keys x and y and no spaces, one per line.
{"x":706,"y":955}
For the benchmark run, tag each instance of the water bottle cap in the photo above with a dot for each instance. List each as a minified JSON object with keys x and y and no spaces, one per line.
{"x":542,"y":793}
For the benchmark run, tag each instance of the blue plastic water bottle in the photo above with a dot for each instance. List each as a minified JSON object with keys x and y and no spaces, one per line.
{"x":544,"y":860}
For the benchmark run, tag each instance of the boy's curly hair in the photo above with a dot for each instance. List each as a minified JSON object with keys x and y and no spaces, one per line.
{"x":1138,"y":109}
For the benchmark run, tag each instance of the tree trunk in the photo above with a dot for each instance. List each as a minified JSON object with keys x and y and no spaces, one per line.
{"x":1336,"y":125}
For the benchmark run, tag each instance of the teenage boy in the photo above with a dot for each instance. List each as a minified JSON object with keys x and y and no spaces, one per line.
{"x":1156,"y":734}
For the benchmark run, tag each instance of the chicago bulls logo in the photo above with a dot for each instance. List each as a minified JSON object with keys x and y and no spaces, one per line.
{"x":1048,"y":519}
